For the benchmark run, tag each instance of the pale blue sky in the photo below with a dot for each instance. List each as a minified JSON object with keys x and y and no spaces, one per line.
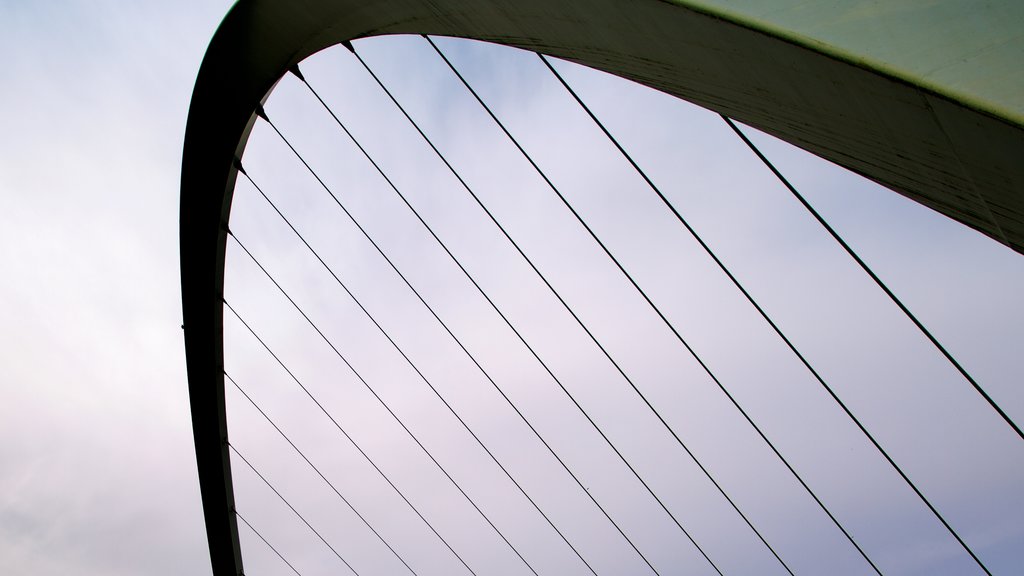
{"x":833,"y":314}
{"x":98,"y":474}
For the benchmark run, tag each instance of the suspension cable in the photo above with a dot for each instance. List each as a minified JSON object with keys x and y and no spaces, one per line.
{"x":371,"y":389}
{"x":289,"y":504}
{"x":623,"y":270}
{"x":480,"y":367}
{"x":842,"y":405}
{"x":735,"y":282}
{"x":408,"y":361}
{"x":913,"y":318}
{"x":676,"y":332}
{"x":269,"y":545}
{"x":602,"y":245}
{"x":549,"y":286}
{"x":346,"y":435}
{"x":319,"y":473}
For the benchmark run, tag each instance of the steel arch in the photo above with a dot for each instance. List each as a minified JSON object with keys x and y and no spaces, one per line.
{"x":959,"y":158}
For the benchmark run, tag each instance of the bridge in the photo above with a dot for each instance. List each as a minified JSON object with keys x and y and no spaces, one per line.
{"x":940,"y":123}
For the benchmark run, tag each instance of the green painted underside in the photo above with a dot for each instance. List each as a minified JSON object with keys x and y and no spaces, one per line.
{"x":968,"y":51}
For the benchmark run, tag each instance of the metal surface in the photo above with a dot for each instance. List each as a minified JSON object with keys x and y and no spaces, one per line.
{"x":957,"y":151}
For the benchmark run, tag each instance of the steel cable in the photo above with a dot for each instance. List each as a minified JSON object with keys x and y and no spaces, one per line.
{"x":346,"y":435}
{"x":319,"y":473}
{"x":292,"y":508}
{"x":459,"y":342}
{"x":736,"y":283}
{"x":269,"y":545}
{"x":842,"y":405}
{"x":410,"y":363}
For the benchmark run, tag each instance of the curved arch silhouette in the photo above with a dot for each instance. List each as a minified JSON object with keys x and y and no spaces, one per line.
{"x":956,"y":154}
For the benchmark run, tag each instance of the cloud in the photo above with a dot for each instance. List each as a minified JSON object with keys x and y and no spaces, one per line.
{"x":101,"y":478}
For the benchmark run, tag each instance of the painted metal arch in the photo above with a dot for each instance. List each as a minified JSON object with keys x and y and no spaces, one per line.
{"x":953,"y":152}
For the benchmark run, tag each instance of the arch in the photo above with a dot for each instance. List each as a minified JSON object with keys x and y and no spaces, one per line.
{"x":958,"y":154}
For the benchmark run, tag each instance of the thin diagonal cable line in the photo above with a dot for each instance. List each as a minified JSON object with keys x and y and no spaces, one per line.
{"x":679,"y":336}
{"x":735,"y":282}
{"x":269,"y":545}
{"x":319,"y":473}
{"x":289,"y":504}
{"x":629,"y":380}
{"x":842,"y":405}
{"x":835,"y":235}
{"x":544,"y":365}
{"x":412,"y":365}
{"x":622,"y":269}
{"x":467,"y":352}
{"x":363,"y":380}
{"x":422,"y":447}
{"x":545,"y":281}
{"x":346,"y":435}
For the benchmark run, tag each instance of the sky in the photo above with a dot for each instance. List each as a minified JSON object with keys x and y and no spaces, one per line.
{"x":98,"y":472}
{"x":98,"y":475}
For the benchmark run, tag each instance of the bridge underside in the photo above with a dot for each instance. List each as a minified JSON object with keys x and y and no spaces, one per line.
{"x":947,"y":150}
{"x":956,"y":158}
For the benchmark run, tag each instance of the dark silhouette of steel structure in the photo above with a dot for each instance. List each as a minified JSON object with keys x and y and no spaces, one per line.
{"x":960,"y":155}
